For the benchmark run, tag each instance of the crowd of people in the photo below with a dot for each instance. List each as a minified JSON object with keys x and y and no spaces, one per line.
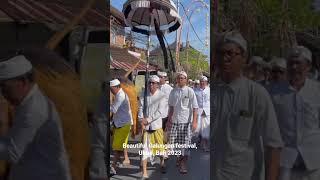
{"x":266,"y":115}
{"x":266,"y":121}
{"x":167,"y":115}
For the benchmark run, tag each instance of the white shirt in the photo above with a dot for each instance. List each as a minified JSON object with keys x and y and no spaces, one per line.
{"x":36,"y":145}
{"x":203,"y":99}
{"x":155,"y":109}
{"x":121,"y":109}
{"x":299,"y":119}
{"x":166,"y":89}
{"x":244,"y":122}
{"x":183,"y":100}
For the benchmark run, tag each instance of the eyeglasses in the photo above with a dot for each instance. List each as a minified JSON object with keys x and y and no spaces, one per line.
{"x":152,"y":83}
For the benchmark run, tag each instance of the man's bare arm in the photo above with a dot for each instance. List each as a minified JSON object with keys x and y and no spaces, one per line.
{"x":272,"y":163}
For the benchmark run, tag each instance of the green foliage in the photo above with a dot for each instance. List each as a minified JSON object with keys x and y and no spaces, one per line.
{"x":194,"y":65}
{"x":275,"y":24}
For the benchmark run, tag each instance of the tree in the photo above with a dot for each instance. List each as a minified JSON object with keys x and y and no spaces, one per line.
{"x":194,"y":66}
{"x":268,"y":25}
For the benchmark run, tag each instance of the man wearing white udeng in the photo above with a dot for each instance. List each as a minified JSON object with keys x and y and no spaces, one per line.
{"x":151,"y":123}
{"x":166,"y":89}
{"x":203,"y":99}
{"x":182,"y":117}
{"x":297,"y":106}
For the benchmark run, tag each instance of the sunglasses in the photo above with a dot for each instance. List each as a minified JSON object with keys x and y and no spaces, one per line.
{"x":152,"y":82}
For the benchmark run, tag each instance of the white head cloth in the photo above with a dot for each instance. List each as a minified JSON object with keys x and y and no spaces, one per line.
{"x":114,"y":82}
{"x":154,"y":78}
{"x":14,"y":67}
{"x":236,"y":37}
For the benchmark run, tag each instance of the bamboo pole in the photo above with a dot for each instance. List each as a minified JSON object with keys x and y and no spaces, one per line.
{"x":130,"y":70}
{"x":57,"y":37}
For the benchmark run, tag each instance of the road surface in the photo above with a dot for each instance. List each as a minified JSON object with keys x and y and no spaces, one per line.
{"x":198,"y":168}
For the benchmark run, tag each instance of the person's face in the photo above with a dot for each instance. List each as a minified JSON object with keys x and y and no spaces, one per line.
{"x":162,"y":79}
{"x":249,"y":72}
{"x":13,"y":90}
{"x":230,"y":59}
{"x":153,"y":86}
{"x":114,"y":90}
{"x":203,"y":84}
{"x":298,"y":69}
{"x":278,"y":74}
{"x":258,"y":72}
{"x":181,"y":80}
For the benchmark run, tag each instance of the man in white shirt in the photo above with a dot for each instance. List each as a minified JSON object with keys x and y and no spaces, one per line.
{"x":245,"y":131}
{"x":203,"y":99}
{"x":261,"y":70}
{"x":196,"y":84}
{"x":297,"y":105}
{"x":151,"y":123}
{"x":34,"y":145}
{"x":182,"y":118}
{"x":191,"y":83}
{"x":166,"y":89}
{"x":122,"y":119}
{"x":279,"y":69}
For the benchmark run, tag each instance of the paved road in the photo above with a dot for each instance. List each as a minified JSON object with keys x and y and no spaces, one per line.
{"x":198,"y":168}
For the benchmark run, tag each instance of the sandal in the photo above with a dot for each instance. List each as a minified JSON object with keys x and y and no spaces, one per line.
{"x":126,"y":163}
{"x":144,"y":178}
{"x":163,"y":169}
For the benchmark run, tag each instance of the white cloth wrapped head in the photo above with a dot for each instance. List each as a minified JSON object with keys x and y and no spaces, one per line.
{"x":114,"y":82}
{"x":14,"y":67}
{"x":301,"y":53}
{"x":182,"y":73}
{"x":257,"y":60}
{"x":154,"y":78}
{"x":162,"y":74}
{"x":278,"y":62}
{"x":203,"y":78}
{"x":237,"y":38}
{"x":267,"y":65}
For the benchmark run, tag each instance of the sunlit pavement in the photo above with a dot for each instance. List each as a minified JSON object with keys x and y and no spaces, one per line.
{"x":198,"y":168}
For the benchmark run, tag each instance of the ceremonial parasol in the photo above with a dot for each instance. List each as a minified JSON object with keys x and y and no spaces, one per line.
{"x":152,"y":17}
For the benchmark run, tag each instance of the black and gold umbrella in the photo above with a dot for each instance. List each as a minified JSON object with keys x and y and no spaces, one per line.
{"x":152,"y":17}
